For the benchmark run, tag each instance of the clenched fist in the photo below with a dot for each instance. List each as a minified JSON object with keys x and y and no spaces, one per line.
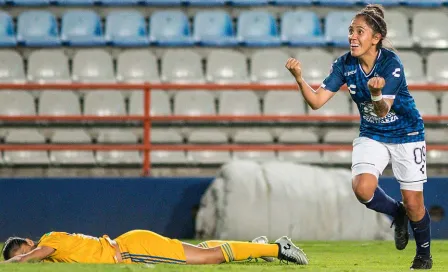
{"x":376,"y":84}
{"x":294,"y":67}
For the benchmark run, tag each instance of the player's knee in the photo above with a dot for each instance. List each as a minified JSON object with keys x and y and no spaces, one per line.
{"x":364,"y":186}
{"x":214,"y":256}
{"x":414,"y":206}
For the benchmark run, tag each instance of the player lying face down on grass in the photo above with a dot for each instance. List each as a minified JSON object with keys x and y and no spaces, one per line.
{"x":392,"y":128}
{"x":142,"y":246}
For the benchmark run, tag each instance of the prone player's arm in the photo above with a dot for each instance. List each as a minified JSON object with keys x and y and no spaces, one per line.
{"x":37,"y":254}
{"x":314,"y":98}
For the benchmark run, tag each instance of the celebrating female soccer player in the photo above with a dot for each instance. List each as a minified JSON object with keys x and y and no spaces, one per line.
{"x":391,"y":127}
{"x":143,"y":246}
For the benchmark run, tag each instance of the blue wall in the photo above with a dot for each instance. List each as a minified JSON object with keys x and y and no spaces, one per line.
{"x":97,"y":206}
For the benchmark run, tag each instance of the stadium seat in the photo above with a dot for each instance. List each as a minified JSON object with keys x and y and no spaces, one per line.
{"x":428,"y":29}
{"x":337,"y":105}
{"x":206,"y":2}
{"x":37,"y":28}
{"x":92,"y":65}
{"x":226,"y":66}
{"x":444,"y":104}
{"x":194,"y":103}
{"x":208,"y":136}
{"x":268,"y":66}
{"x":341,"y":136}
{"x":316,"y":64}
{"x":166,"y":136}
{"x":104,"y":103}
{"x":307,"y":157}
{"x":126,"y":28}
{"x":163,"y":2}
{"x":59,"y":103}
{"x":298,"y":136}
{"x":74,"y":2}
{"x":337,"y":2}
{"x":170,"y":28}
{"x":7,"y":32}
{"x":413,"y":67}
{"x":293,"y":2}
{"x":301,"y":28}
{"x":11,"y":67}
{"x":119,"y":2}
{"x":253,"y":137}
{"x":81,"y":28}
{"x":337,"y":157}
{"x":436,"y":136}
{"x":283,"y":103}
{"x":14,"y":103}
{"x":29,"y":3}
{"x":71,"y":157}
{"x":336,"y":27}
{"x":25,"y":157}
{"x":257,"y":28}
{"x":181,"y":66}
{"x":398,"y":32}
{"x":137,"y":66}
{"x":436,"y":156}
{"x":382,"y":2}
{"x":48,"y":66}
{"x":426,"y":102}
{"x":239,"y":103}
{"x":214,"y":28}
{"x":160,"y":103}
{"x":117,"y":156}
{"x":248,"y":2}
{"x":437,"y":70}
{"x":424,"y":4}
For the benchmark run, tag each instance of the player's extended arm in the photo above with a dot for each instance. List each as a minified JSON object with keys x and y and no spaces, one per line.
{"x":314,"y":98}
{"x":381,"y":105}
{"x":36,"y":254}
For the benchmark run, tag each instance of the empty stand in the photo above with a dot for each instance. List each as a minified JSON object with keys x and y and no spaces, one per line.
{"x":413,"y":67}
{"x":226,"y":66}
{"x":437,"y":69}
{"x":181,"y":65}
{"x":268,"y":66}
{"x":214,"y":28}
{"x":283,"y":103}
{"x":48,"y":66}
{"x":104,"y":103}
{"x":398,"y":29}
{"x":336,"y":27}
{"x":16,"y":103}
{"x":71,"y":157}
{"x":253,"y":137}
{"x":428,"y":29}
{"x":194,"y":103}
{"x":301,"y":28}
{"x":208,"y":136}
{"x":136,"y":65}
{"x":316,"y":65}
{"x":82,"y":28}
{"x":11,"y":66}
{"x":59,"y":103}
{"x":239,"y":103}
{"x":93,"y":65}
{"x":170,"y":28}
{"x":117,"y":156}
{"x":37,"y":28}
{"x":24,"y":157}
{"x":160,"y":103}
{"x":7,"y":31}
{"x":426,"y":103}
{"x":257,"y":28}
{"x":126,"y":29}
{"x":167,"y":136}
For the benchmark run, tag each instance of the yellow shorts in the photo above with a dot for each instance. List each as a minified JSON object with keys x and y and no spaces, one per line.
{"x":143,"y":246}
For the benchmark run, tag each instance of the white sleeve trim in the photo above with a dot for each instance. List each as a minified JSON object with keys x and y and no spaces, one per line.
{"x":390,"y":96}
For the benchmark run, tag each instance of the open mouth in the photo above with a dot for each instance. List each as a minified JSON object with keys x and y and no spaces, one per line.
{"x":354,"y":45}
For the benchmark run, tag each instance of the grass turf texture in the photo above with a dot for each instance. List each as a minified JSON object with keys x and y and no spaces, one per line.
{"x":324,"y":256}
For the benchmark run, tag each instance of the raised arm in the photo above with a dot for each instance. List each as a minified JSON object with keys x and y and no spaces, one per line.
{"x":37,"y":254}
{"x":314,"y":98}
{"x":381,"y":105}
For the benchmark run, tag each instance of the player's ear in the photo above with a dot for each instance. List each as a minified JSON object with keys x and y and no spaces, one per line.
{"x":376,"y":38}
{"x":29,"y":242}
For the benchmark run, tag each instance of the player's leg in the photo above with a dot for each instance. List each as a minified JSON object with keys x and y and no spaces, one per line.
{"x":231,"y":251}
{"x":409,"y":166}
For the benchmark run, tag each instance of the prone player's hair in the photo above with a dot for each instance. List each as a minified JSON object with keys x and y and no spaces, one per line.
{"x":374,"y":16}
{"x":12,"y":245}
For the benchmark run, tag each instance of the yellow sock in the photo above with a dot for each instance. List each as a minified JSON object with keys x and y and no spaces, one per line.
{"x":240,"y":251}
{"x":212,"y":243}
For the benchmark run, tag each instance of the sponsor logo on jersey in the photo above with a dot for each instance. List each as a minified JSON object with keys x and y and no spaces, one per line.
{"x":352,"y":88}
{"x":349,"y":73}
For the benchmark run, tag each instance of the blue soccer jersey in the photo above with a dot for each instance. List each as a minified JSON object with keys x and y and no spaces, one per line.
{"x":403,"y":124}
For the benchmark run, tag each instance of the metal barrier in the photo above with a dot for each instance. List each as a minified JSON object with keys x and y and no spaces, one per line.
{"x":146,"y":118}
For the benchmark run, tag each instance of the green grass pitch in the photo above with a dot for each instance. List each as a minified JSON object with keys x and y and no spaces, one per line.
{"x":366,"y":256}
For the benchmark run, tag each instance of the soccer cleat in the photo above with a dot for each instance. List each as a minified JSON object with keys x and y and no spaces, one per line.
{"x":289,"y":252}
{"x":263,"y":240}
{"x":421,"y":262}
{"x":401,"y":235}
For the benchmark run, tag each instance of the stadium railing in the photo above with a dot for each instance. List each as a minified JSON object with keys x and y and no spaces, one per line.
{"x":147,"y":119}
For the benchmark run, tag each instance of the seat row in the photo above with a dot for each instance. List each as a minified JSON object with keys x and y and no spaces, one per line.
{"x":183,"y":66}
{"x":189,"y":103}
{"x":129,"y":28}
{"x":411,"y":3}
{"x":292,"y":136}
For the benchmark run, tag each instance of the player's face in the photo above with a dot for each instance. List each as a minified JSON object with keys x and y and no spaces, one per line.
{"x":361,"y":37}
{"x":25,"y":248}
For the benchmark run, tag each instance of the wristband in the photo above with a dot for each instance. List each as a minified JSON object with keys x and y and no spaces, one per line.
{"x":376,"y":98}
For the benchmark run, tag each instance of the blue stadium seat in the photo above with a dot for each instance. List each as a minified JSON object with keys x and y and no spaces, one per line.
{"x":301,"y":28}
{"x":337,"y":2}
{"x":119,"y":2}
{"x":382,"y":2}
{"x":336,"y":26}
{"x":126,"y":28}
{"x":163,"y":2}
{"x":75,"y":2}
{"x":37,"y":28}
{"x":293,"y":2}
{"x":257,"y":28}
{"x":248,"y":2}
{"x":214,"y":28}
{"x":206,"y":2}
{"x":7,"y":33}
{"x":425,"y":3}
{"x":81,"y":28}
{"x":30,"y":2}
{"x":170,"y":28}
